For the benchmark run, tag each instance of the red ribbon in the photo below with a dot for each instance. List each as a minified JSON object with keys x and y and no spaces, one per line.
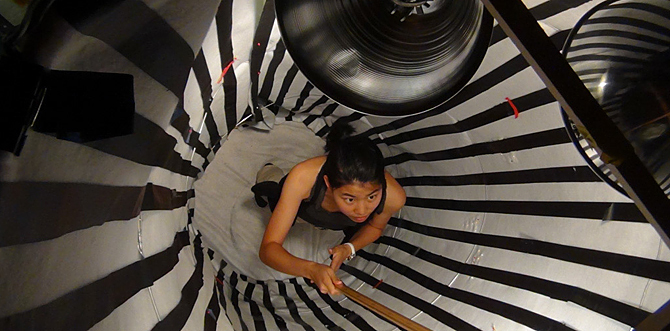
{"x":225,"y":70}
{"x":516,"y":111}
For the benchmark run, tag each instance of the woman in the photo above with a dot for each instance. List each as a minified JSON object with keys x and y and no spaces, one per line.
{"x":347,"y":189}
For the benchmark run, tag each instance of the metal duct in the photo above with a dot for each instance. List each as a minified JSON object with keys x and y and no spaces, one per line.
{"x":386,"y":57}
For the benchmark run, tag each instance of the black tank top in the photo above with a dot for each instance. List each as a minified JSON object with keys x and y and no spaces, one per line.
{"x":310,"y":209}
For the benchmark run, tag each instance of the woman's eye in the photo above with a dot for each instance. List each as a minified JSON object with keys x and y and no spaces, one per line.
{"x":349,"y":200}
{"x":372,"y":197}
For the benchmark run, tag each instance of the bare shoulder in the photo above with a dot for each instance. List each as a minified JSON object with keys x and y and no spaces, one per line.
{"x":308,"y":168}
{"x":302,"y":176}
{"x":395,"y":195}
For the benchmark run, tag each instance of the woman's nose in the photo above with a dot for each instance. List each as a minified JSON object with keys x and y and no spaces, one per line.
{"x":359,"y":209}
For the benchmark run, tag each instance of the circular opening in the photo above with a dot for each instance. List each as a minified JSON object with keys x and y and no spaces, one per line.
{"x":621,"y":52}
{"x":389,"y":57}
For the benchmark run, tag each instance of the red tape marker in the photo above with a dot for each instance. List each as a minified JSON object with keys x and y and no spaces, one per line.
{"x":225,"y":70}
{"x":516,"y":111}
{"x":378,"y":283}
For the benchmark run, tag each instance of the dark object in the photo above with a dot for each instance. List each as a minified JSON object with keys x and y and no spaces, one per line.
{"x":387,"y":57}
{"x":626,"y":67}
{"x":85,"y":106}
{"x":73,"y":105}
{"x":20,"y":96}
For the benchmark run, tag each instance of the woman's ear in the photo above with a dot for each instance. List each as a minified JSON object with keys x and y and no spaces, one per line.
{"x":325,"y":179}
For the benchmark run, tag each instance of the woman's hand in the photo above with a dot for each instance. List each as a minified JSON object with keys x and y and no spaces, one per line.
{"x":339,"y":253}
{"x":325,"y":278}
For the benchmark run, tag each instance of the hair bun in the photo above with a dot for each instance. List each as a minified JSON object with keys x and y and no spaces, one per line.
{"x":339,"y":131}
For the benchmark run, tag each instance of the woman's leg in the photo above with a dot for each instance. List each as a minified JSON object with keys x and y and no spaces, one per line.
{"x":269,"y":173}
{"x":268,"y":186}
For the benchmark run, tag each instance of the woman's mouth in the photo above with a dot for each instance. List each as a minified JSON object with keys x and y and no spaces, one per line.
{"x":360,"y":219}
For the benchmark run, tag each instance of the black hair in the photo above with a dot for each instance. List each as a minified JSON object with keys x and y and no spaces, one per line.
{"x":352,"y":159}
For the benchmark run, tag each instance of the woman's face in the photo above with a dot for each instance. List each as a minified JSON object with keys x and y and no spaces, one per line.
{"x":358,"y":200}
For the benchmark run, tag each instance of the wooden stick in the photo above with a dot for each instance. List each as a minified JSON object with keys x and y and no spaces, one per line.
{"x":392,"y":316}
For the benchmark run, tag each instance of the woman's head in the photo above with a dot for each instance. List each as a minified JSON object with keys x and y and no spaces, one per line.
{"x":354,"y":171}
{"x":352,"y":159}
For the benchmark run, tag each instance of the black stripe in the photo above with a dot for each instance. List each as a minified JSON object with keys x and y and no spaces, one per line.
{"x":528,"y":141}
{"x":497,"y":35}
{"x":622,"y":34}
{"x":304,"y":94}
{"x":269,"y":75}
{"x":326,"y":112}
{"x":286,"y":84}
{"x":350,"y":315}
{"x":318,"y":313}
{"x":603,"y":305}
{"x":292,"y":308}
{"x":230,"y":103}
{"x":177,"y":318}
{"x":162,"y":198}
{"x":205,"y":164}
{"x":191,"y":136}
{"x":611,"y":58}
{"x":146,"y":39}
{"x":212,"y":312}
{"x":498,"y":112}
{"x":216,"y":147}
{"x":558,"y":38}
{"x":632,"y":265}
{"x":323,"y":99}
{"x":611,"y":46}
{"x":571,"y":209}
{"x":550,"y":8}
{"x":222,"y":294}
{"x":256,"y":314}
{"x":82,"y":308}
{"x":473,"y":89}
{"x":442,"y":316}
{"x":148,"y":145}
{"x":629,"y":21}
{"x":330,"y":109}
{"x":224,"y":25}
{"x":205,"y":82}
{"x":235,"y":299}
{"x":652,"y":9}
{"x":267,"y":303}
{"x":190,"y":215}
{"x":325,"y":129}
{"x":511,"y":312}
{"x":311,"y":118}
{"x":355,"y":116}
{"x":541,"y":12}
{"x":548,"y":175}
{"x":261,"y":38}
{"x":68,"y":207}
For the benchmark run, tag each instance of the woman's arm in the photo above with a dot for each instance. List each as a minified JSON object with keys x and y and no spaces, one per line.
{"x":296,"y":188}
{"x":395,"y":199}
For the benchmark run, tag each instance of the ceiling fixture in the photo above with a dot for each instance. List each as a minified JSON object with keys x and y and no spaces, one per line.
{"x":386,"y":57}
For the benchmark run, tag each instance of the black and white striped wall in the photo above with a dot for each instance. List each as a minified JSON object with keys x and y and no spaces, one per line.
{"x":505,"y":228}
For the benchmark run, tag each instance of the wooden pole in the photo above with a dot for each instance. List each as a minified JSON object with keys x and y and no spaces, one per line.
{"x":392,"y":316}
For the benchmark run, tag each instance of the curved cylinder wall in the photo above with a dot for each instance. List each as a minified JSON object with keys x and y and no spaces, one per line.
{"x":505,"y":227}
